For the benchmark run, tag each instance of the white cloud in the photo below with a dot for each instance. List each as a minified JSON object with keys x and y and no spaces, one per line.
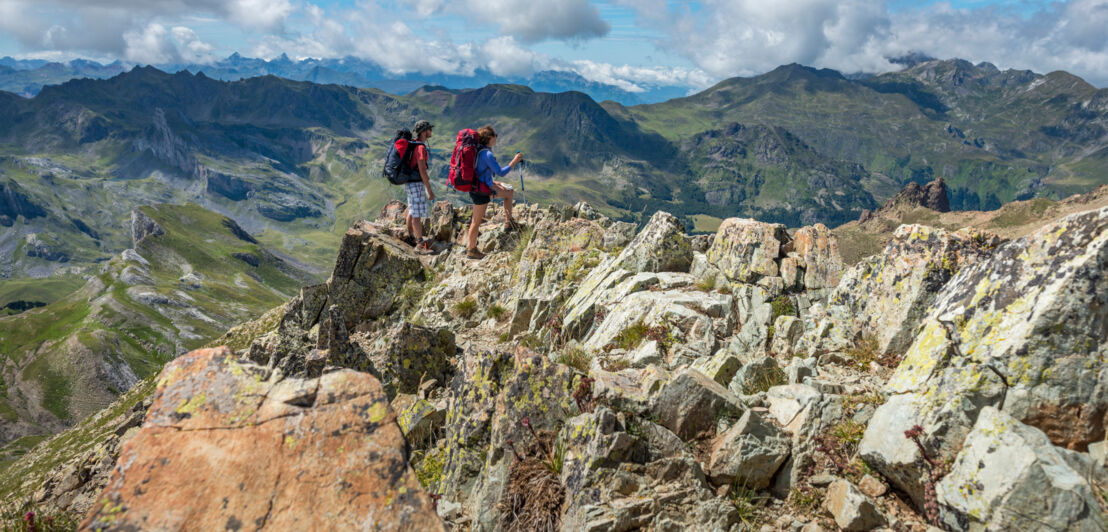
{"x":528,"y":20}
{"x":746,"y":37}
{"x":156,"y":44}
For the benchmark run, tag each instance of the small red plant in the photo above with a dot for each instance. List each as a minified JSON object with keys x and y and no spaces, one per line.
{"x":935,"y":471}
{"x":583,"y":396}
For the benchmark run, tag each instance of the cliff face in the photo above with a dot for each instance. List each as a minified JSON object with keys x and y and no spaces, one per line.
{"x":587,"y":377}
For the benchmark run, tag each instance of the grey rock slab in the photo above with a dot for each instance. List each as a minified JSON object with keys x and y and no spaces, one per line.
{"x":1010,"y":477}
{"x":852,"y":510}
{"x":691,"y":403}
{"x":749,"y":453}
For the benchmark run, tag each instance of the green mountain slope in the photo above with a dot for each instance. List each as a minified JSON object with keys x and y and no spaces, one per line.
{"x":191,"y":275}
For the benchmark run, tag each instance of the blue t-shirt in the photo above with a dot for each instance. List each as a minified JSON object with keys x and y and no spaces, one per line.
{"x":487,"y":166}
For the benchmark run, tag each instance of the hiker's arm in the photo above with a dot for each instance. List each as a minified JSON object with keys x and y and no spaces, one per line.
{"x":422,"y":164}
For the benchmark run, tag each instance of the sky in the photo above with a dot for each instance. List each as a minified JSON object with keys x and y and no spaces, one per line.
{"x":632,"y":44}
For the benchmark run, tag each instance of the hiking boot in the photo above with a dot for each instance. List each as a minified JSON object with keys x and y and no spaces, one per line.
{"x":409,"y":240}
{"x":512,"y":225}
{"x":474,"y":254}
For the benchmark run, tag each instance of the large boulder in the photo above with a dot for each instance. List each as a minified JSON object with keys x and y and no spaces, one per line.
{"x":746,"y":250}
{"x":1010,"y":477}
{"x":692,"y":403}
{"x":1026,"y":332}
{"x":228,"y":444}
{"x":886,"y":296}
{"x":748,"y":453}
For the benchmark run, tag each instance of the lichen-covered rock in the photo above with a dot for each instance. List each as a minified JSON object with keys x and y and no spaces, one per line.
{"x":755,"y":376}
{"x":486,"y":404}
{"x":746,"y":250}
{"x":851,"y":509}
{"x":691,"y":403}
{"x":409,"y":355}
{"x":442,"y":221}
{"x":1026,"y":332}
{"x":687,"y":322}
{"x":720,"y":367}
{"x":886,"y":296}
{"x":1010,"y":477}
{"x":329,"y":443}
{"x":618,"y":235}
{"x":818,"y":250}
{"x":787,"y":331}
{"x":661,"y":246}
{"x":748,"y":453}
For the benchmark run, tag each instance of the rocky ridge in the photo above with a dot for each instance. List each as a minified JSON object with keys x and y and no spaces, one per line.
{"x":587,"y":377}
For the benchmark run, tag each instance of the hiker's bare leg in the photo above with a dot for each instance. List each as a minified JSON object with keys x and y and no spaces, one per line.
{"x":508,"y":196}
{"x":410,"y":231}
{"x":475,"y":223}
{"x":415,"y":227}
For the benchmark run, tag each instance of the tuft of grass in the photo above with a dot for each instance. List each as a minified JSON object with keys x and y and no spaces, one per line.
{"x":531,"y":341}
{"x":849,"y":432}
{"x":765,"y":380}
{"x":429,"y":468}
{"x":521,"y":246}
{"x":557,"y":459}
{"x":496,"y":311}
{"x":864,"y":351}
{"x":504,"y":337}
{"x":805,"y":498}
{"x":465,"y":308}
{"x":749,"y":504}
{"x":615,"y":364}
{"x":706,"y":284}
{"x":782,"y":306}
{"x":575,"y":358}
{"x":631,"y":336}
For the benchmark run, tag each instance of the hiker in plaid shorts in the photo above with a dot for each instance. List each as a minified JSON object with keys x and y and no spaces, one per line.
{"x":420,"y":194}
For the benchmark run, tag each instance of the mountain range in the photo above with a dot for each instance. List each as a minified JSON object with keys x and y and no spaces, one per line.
{"x":27,"y":76}
{"x":292,"y":164}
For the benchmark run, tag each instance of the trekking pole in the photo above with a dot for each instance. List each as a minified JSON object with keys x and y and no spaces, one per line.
{"x":522,"y":191}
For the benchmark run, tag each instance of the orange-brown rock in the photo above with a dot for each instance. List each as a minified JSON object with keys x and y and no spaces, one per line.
{"x":227,"y":446}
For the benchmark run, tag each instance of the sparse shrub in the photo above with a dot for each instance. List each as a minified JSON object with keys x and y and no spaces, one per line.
{"x":633,"y":335}
{"x":496,"y":311}
{"x":465,"y":308}
{"x":848,"y":431}
{"x":575,"y":358}
{"x":583,"y":396}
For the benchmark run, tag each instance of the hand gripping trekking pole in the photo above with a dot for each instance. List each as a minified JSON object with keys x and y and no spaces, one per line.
{"x":522,"y":191}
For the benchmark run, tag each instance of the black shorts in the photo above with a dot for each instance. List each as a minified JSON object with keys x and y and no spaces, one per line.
{"x":479,"y":199}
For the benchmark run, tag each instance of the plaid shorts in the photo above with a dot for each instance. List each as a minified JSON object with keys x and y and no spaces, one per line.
{"x":417,"y":200}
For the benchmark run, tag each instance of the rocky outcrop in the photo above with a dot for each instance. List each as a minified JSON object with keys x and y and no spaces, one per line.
{"x":886,"y":296}
{"x":933,"y":195}
{"x":143,"y":226}
{"x":329,"y":443}
{"x":746,"y":250}
{"x":1025,"y":332}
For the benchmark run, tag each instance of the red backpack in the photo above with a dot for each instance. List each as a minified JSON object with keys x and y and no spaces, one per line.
{"x":463,"y":164}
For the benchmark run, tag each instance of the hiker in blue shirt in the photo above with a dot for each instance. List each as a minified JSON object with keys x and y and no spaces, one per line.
{"x":486,"y":168}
